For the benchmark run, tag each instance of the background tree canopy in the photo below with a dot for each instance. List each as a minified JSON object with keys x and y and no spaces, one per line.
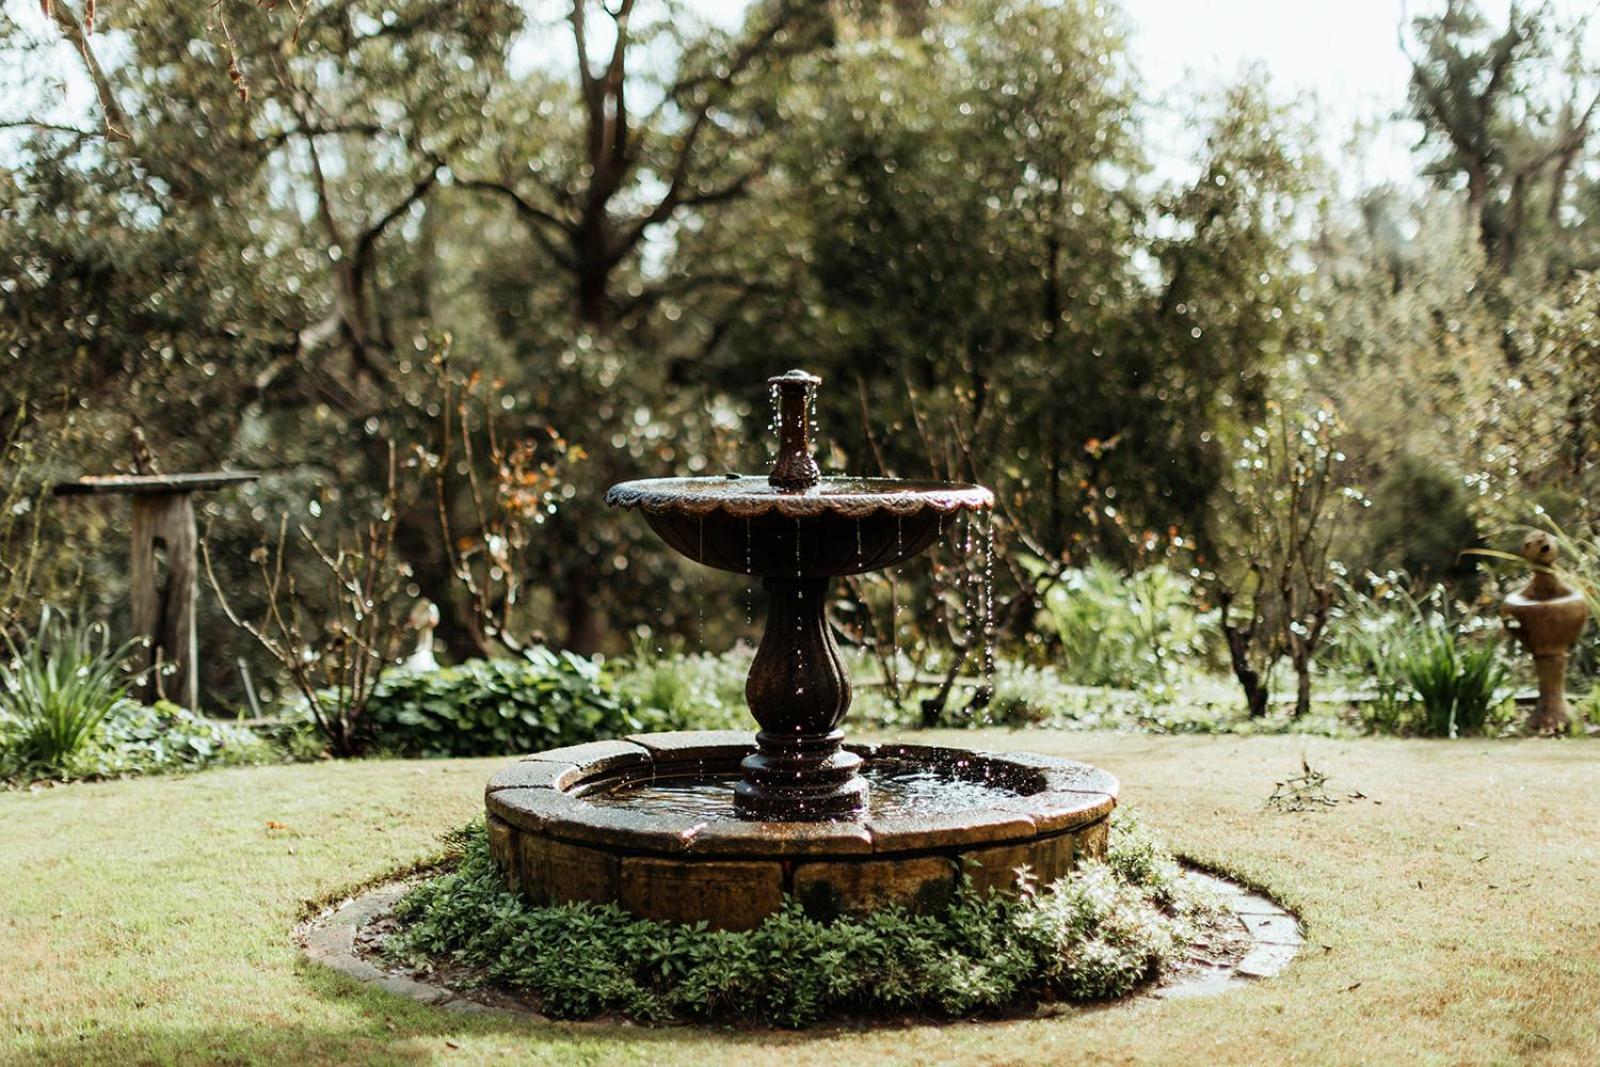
{"x":283,"y":224}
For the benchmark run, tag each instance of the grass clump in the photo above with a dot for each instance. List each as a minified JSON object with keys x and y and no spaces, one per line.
{"x":56,"y":689}
{"x":1458,"y":685}
{"x":1434,"y":671}
{"x":1096,"y":934}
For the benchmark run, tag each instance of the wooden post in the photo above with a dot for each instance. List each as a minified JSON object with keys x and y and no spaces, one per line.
{"x":163,"y":603}
{"x":163,"y":597}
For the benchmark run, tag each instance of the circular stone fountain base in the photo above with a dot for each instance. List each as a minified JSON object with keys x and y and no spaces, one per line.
{"x":647,"y":822}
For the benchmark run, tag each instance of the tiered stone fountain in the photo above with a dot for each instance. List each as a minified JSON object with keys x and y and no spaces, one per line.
{"x":719,"y":825}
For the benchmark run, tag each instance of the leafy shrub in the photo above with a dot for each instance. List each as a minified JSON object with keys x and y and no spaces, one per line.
{"x":1370,"y":633}
{"x":496,"y":706}
{"x":676,"y":691}
{"x":1124,"y":630}
{"x":139,"y":739}
{"x":57,"y":689}
{"x":1422,"y":522}
{"x":1095,"y":934}
{"x":134,"y":738}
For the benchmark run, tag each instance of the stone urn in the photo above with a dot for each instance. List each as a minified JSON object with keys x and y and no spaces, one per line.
{"x":1547,"y":615}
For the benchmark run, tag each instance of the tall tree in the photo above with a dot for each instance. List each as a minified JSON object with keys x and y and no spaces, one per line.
{"x":1507,"y":113}
{"x":657,"y":122}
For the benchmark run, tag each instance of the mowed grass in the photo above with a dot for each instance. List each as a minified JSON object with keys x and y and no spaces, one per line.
{"x":1453,"y":917}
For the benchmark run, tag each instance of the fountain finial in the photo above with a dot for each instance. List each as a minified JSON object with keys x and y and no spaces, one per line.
{"x":795,"y":470}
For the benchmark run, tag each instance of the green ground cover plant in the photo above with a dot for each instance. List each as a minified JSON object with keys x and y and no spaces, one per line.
{"x":1093,"y":935}
{"x":137,"y":739}
{"x":154,"y":738}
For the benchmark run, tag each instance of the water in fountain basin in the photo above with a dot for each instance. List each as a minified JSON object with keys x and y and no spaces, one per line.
{"x":896,"y":790}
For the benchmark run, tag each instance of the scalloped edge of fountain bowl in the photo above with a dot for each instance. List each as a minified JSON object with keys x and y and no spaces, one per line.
{"x":677,"y":495}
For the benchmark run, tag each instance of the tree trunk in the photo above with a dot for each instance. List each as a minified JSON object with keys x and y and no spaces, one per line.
{"x":592,"y":271}
{"x":1250,"y":680}
{"x":1302,"y":692}
{"x":585,"y":626}
{"x":593,"y":301}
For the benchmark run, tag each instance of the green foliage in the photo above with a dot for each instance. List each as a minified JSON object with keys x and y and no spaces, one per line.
{"x":1422,"y":521}
{"x":675,"y":690}
{"x":1436,"y":671}
{"x":550,"y":698}
{"x":957,"y":227}
{"x":152,"y":739}
{"x":1459,"y":684}
{"x":1274,"y":583}
{"x":1023,"y":694}
{"x":57,"y":689}
{"x":1368,"y":641}
{"x":64,"y":714}
{"x":1093,"y":935}
{"x":1124,"y":630}
{"x":494,"y":706}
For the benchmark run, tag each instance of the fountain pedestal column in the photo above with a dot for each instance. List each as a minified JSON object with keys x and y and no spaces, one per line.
{"x":799,"y":691}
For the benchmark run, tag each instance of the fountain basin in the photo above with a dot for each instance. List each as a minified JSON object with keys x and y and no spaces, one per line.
{"x":648,"y":823}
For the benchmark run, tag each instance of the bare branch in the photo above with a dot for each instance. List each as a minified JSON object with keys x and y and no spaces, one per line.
{"x":116,"y":118}
{"x":538,"y":220}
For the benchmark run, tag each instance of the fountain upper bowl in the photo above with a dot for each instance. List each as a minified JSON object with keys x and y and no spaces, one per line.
{"x":838,"y":526}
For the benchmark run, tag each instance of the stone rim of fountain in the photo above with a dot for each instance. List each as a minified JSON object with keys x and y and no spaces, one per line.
{"x":731,"y":873}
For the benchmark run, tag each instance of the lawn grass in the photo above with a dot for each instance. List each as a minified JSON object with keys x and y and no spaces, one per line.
{"x":1453,"y":917}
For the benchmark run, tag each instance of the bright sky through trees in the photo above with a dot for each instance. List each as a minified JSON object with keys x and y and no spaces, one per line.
{"x":1341,"y":54}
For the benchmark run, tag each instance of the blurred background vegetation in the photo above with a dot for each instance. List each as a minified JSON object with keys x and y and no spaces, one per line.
{"x":290,"y":236}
